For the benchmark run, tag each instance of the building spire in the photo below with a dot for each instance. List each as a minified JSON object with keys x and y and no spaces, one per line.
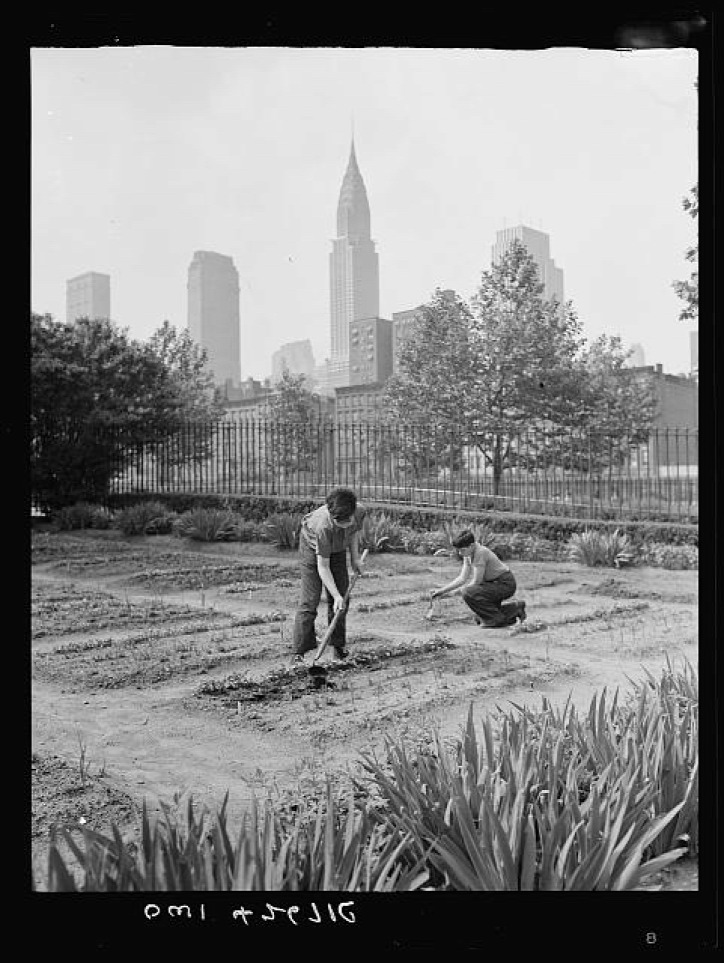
{"x":353,"y":212}
{"x":352,"y":155}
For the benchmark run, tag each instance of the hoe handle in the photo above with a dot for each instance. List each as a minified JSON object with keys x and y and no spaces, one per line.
{"x":337,"y":614}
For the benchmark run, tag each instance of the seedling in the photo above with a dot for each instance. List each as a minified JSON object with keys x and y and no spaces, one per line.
{"x":83,"y":765}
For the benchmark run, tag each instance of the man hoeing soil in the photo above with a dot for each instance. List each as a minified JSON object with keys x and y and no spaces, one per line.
{"x":484,"y":582}
{"x":327,"y":533}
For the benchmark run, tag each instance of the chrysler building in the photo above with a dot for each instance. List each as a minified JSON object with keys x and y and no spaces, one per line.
{"x":353,"y":263}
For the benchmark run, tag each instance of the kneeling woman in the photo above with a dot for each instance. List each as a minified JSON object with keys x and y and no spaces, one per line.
{"x":484,"y":583}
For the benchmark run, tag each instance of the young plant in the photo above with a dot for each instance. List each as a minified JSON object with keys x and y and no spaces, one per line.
{"x":594,"y":548}
{"x":83,"y":515}
{"x":207,"y":525}
{"x":381,"y":533}
{"x":145,"y":518}
{"x":83,"y":764}
{"x":282,"y":529}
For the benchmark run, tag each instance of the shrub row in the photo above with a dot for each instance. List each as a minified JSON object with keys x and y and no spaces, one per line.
{"x":383,"y":531}
{"x":255,"y":508}
{"x":553,"y":528}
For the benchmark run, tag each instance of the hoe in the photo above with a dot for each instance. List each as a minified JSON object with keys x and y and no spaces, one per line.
{"x":319,"y":672}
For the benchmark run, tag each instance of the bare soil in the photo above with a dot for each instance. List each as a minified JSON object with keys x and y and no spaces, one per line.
{"x":162,"y":668}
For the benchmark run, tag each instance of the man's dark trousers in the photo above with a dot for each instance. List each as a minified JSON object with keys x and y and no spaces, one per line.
{"x":311,"y":591}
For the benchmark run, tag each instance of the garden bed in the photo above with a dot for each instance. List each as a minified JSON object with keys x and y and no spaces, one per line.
{"x":194,"y":691}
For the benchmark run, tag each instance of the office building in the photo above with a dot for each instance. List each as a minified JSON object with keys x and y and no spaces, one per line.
{"x":402,"y":323}
{"x":370,"y":351}
{"x":88,"y":296}
{"x":330,"y":375}
{"x":213,"y":312}
{"x":637,"y":358}
{"x":677,"y":397}
{"x":403,"y":326}
{"x":675,"y":437}
{"x":296,"y":357}
{"x":538,"y":246}
{"x":361,"y":403}
{"x":353,"y":263}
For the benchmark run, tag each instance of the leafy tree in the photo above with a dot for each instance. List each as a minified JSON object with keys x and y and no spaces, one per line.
{"x":294,"y":440}
{"x":614,"y":400}
{"x":430,"y":389}
{"x":510,"y":373}
{"x":688,"y":291}
{"x":498,"y":366}
{"x":435,"y":364}
{"x":189,"y":380}
{"x":614,"y":412}
{"x":97,"y":398}
{"x":524,"y":348}
{"x":189,"y":388}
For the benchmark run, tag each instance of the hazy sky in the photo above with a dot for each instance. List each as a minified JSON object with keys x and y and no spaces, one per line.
{"x":143,"y":155}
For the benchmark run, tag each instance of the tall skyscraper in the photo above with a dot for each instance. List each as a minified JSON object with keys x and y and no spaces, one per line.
{"x":353,"y":264}
{"x":538,"y":246}
{"x":213,"y":313}
{"x":88,"y":296}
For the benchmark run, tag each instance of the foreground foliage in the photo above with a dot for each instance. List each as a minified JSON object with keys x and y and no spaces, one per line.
{"x":558,"y":801}
{"x":532,"y":800}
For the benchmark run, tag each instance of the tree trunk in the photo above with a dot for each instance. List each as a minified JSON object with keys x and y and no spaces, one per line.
{"x":497,"y":465}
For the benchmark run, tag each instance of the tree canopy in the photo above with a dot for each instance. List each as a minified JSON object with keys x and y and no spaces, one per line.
{"x":512,"y":361}
{"x":98,"y":395}
{"x":688,"y":290}
{"x":292,"y":400}
{"x":92,"y":370}
{"x":435,"y":364}
{"x":293,"y":440}
{"x":190,"y":380}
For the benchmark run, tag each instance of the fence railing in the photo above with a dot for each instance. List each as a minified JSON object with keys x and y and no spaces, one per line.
{"x":579,"y":474}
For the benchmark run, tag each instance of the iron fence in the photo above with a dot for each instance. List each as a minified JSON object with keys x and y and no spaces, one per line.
{"x":585,"y":475}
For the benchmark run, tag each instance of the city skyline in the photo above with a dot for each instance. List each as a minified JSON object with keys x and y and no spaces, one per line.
{"x":179,"y":149}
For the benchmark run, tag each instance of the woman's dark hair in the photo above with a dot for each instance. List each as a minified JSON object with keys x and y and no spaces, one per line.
{"x":341,"y":503}
{"x":463,"y":540}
